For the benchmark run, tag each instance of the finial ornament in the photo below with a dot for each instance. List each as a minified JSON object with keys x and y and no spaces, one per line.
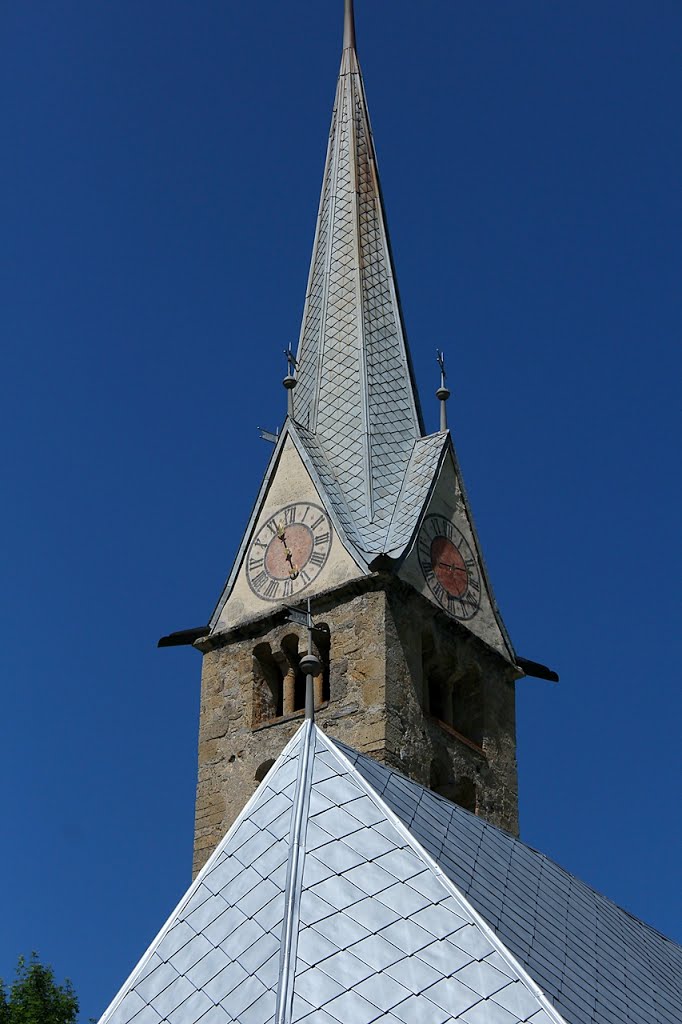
{"x":349,"y":26}
{"x":311,"y":666}
{"x":443,"y":392}
{"x":289,"y":381}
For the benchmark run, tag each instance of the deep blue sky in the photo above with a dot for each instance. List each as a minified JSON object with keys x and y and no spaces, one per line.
{"x":159,"y":184}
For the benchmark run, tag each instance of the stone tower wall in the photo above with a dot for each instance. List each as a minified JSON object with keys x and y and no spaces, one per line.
{"x":378,"y":704}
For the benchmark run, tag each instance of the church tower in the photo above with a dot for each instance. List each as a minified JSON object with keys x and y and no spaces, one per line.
{"x":365,"y":515}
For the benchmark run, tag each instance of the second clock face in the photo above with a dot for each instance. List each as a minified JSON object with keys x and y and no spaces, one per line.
{"x":449,"y":566}
{"x":289,"y":551}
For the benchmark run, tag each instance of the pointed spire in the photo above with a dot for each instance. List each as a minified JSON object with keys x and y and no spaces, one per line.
{"x":349,"y":26}
{"x":355,"y":388}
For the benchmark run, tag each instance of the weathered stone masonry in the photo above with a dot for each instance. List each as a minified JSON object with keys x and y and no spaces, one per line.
{"x":391,"y":655}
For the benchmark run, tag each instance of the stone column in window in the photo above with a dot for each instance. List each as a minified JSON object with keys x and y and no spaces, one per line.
{"x":290,"y":691}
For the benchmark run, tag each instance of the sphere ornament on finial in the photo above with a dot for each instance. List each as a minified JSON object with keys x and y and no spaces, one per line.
{"x":310,"y":665}
{"x":289,"y":381}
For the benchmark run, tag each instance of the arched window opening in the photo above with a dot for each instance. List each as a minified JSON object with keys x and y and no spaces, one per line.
{"x":299,"y":692}
{"x":460,"y":791}
{"x":440,"y":776}
{"x":323,"y":643}
{"x":268,"y":685}
{"x":436,"y":698}
{"x":467,"y":705}
{"x":435,"y":685}
{"x":263,"y":769}
{"x":464,"y":794}
{"x":294,"y":680}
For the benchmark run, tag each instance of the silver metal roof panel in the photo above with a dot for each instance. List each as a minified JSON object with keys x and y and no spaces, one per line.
{"x":365,"y":924}
{"x":597,"y":963}
{"x":355,"y":391}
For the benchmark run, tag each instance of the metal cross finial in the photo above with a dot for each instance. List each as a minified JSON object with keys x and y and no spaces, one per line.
{"x":292,"y":362}
{"x":440,"y":359}
{"x":443,"y":392}
{"x":289,"y":381}
{"x":349,"y":26}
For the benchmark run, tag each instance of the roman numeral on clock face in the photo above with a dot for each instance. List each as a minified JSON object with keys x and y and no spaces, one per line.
{"x":261,"y":580}
{"x":289,"y":551}
{"x":449,"y":566}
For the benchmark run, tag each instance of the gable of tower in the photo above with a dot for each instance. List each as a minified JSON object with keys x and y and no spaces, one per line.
{"x":445,"y":564}
{"x":294,"y":545}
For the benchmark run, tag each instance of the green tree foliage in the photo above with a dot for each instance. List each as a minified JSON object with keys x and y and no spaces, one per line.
{"x":35,"y":997}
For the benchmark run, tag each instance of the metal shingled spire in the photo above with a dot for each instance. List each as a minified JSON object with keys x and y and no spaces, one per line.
{"x":355,"y":388}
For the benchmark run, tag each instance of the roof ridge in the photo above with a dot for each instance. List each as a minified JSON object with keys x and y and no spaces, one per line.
{"x":484,"y":825}
{"x":294,"y":879}
{"x":417,"y":847}
{"x":325,"y":899}
{"x":421,"y":495}
{"x":530,"y":931}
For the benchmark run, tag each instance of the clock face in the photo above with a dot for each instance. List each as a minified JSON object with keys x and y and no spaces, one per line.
{"x":449,"y":566}
{"x":289,"y":551}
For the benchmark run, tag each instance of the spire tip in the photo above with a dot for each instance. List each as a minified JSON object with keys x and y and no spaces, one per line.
{"x":349,"y":26}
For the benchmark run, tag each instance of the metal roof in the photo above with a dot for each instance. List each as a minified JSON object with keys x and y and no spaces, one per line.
{"x":420,"y":476}
{"x":345,"y":894}
{"x":596,"y":962}
{"x":355,"y":392}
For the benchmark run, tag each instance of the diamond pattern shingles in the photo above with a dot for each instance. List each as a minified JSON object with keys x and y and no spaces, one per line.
{"x":385,"y":937}
{"x":596,"y":963}
{"x":355,"y":391}
{"x":416,"y":485}
{"x":491,"y":933}
{"x":312,"y":449}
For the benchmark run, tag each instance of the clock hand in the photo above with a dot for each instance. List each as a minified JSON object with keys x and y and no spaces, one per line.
{"x":294,"y":569}
{"x":455,"y":568}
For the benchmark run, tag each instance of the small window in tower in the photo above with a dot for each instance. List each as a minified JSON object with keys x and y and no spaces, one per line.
{"x":323,"y":643}
{"x":467,"y":705}
{"x":268,"y":685}
{"x":436,"y":698}
{"x":464,"y":794}
{"x":263,"y":769}
{"x":299,"y":692}
{"x":294,"y":680}
{"x":461,"y":791}
{"x":432,"y":690}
